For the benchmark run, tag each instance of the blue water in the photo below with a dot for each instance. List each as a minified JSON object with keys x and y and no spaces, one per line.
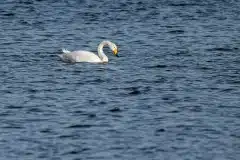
{"x":173,"y":94}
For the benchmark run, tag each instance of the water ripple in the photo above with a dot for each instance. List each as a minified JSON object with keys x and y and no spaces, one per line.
{"x":172,"y":94}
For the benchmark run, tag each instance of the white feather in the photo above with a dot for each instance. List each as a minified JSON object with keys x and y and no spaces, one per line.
{"x":65,"y":50}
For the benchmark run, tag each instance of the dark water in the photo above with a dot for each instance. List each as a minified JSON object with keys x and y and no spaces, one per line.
{"x":174,"y":92}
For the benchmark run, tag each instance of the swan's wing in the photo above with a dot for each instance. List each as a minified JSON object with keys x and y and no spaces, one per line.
{"x":86,"y":56}
{"x":80,"y":56}
{"x":67,"y":57}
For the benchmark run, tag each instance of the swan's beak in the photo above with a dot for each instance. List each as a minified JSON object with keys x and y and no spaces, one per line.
{"x":115,"y":51}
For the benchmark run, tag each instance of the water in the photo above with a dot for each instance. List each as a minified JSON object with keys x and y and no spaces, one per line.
{"x":172,"y":94}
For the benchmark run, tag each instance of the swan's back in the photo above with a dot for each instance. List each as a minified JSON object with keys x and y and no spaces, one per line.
{"x":79,"y":56}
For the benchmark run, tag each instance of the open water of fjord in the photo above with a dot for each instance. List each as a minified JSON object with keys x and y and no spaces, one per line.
{"x":174,"y":92}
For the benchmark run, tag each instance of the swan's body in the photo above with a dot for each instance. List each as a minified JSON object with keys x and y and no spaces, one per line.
{"x":79,"y":56}
{"x":86,"y":56}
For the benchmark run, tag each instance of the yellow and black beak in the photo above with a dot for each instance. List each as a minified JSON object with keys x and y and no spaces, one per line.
{"x":115,"y":52}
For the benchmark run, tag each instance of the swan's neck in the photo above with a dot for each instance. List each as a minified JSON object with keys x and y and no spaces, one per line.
{"x":101,"y":54}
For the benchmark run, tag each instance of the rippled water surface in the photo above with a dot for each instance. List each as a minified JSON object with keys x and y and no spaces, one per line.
{"x":174,"y":92}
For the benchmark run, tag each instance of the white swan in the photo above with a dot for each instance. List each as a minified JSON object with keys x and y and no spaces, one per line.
{"x":86,"y":56}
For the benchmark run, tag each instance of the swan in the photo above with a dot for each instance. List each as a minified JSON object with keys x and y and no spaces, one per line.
{"x":86,"y":56}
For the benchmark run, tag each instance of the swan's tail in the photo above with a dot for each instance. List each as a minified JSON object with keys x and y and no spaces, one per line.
{"x":65,"y":50}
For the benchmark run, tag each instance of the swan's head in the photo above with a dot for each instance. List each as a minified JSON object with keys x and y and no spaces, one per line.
{"x":111,"y":45}
{"x":114,"y":49}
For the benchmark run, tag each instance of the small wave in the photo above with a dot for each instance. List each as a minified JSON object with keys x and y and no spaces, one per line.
{"x":160,"y":130}
{"x":74,"y":151}
{"x":137,"y":90}
{"x":196,"y":108}
{"x":31,"y":90}
{"x":96,"y":81}
{"x":13,"y":107}
{"x":183,"y":4}
{"x":12,"y":126}
{"x":224,"y":49}
{"x":80,"y":126}
{"x":204,"y":68}
{"x":174,"y":111}
{"x":115,"y":109}
{"x":10,"y":14}
{"x":235,"y":135}
{"x":67,"y":136}
{"x":133,"y":90}
{"x":102,"y":102}
{"x":46,"y":130}
{"x":176,"y":31}
{"x":148,"y":149}
{"x":34,"y":110}
{"x":25,"y":2}
{"x":158,"y":66}
{"x":228,"y":106}
{"x":24,"y":22}
{"x":91,"y":115}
